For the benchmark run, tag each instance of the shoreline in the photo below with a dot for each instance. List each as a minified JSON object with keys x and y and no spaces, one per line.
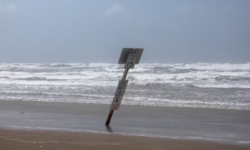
{"x":108,"y":105}
{"x":29,"y":140}
{"x":133,"y":121}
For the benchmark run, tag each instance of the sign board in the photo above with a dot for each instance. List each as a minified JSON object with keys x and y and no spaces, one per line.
{"x":130,"y":63}
{"x":116,"y":102}
{"x":121,"y":87}
{"x":129,"y":57}
{"x":127,"y":51}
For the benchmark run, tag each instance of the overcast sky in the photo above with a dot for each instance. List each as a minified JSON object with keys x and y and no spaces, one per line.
{"x":170,"y":31}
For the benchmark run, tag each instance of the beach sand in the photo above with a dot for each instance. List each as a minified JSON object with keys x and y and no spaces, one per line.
{"x":28,"y":125}
{"x":60,"y":140}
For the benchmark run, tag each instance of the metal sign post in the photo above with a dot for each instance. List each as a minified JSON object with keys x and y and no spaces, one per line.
{"x":129,"y":57}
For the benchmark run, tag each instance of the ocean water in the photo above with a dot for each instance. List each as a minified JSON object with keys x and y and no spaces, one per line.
{"x":199,"y":85}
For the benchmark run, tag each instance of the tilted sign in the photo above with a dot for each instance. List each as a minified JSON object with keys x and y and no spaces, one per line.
{"x":121,"y":87}
{"x":130,"y":63}
{"x":126,"y":51}
{"x":119,"y":94}
{"x":129,"y":57}
{"x":116,"y":102}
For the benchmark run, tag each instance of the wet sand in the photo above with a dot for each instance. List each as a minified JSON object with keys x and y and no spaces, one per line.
{"x":53,"y":121}
{"x":59,"y":140}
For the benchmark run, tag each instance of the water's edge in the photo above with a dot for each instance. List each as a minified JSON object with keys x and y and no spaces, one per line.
{"x":223,"y":126}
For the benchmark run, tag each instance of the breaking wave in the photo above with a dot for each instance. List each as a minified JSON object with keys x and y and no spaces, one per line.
{"x":223,"y":86}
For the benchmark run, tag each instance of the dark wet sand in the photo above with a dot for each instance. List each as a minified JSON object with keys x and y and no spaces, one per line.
{"x":162,"y":121}
{"x":59,"y":140}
